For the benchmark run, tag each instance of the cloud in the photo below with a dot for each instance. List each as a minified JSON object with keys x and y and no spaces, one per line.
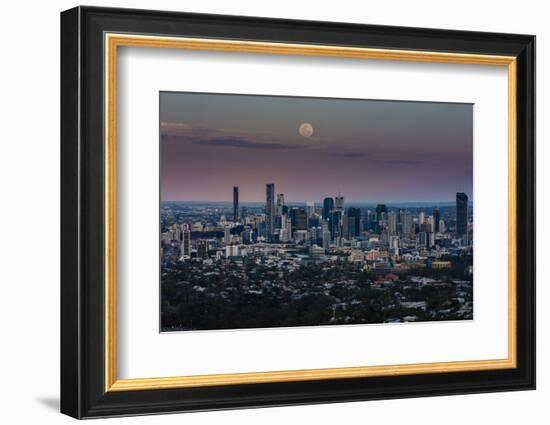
{"x":350,"y":155}
{"x":175,"y":128}
{"x":402,"y":161}
{"x":234,"y":142}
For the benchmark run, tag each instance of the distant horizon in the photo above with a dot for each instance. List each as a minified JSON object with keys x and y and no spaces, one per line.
{"x":348,"y":202}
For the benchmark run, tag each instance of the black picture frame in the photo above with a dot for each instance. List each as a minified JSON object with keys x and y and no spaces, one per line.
{"x":83,"y":392}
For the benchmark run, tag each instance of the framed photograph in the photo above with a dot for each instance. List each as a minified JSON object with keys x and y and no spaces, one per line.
{"x":261,"y":212}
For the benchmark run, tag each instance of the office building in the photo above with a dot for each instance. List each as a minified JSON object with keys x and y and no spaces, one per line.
{"x":406,"y":224}
{"x":270,"y":209}
{"x":235,"y":203}
{"x":202,"y":249}
{"x":437,"y":217}
{"x":353,"y":222}
{"x":336,"y":223}
{"x":280,"y":204}
{"x":339,"y":203}
{"x":298,"y":218}
{"x":392,"y":223}
{"x":381,"y":212}
{"x":461,"y":215}
{"x":310,"y":209}
{"x":328,"y":206}
{"x":185,"y":247}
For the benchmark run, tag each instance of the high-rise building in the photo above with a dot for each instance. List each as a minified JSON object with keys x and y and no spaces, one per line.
{"x":431,"y":239}
{"x":406,"y":224}
{"x":430,"y":225}
{"x":316,"y":235}
{"x":381,"y":212}
{"x":283,"y":235}
{"x":185,"y":247}
{"x":339,"y":203}
{"x":393,"y":243}
{"x":354,"y":222}
{"x":336,"y":223}
{"x":289,"y":229}
{"x":202,"y":249}
{"x":313,"y":221}
{"x":270,"y":208}
{"x":437,"y":217}
{"x":423,"y":239}
{"x":328,"y":206}
{"x":298,"y":218}
{"x":392,"y":223}
{"x":421,"y":218}
{"x":461,"y":214}
{"x":247,"y":234}
{"x":280,"y":204}
{"x":310,"y":209}
{"x":401,"y":215}
{"x":235,"y":203}
{"x":365,"y":219}
{"x":326,"y":239}
{"x":345,"y":232}
{"x":227,"y":235}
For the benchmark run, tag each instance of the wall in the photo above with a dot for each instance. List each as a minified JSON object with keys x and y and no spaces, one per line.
{"x":29,"y":224}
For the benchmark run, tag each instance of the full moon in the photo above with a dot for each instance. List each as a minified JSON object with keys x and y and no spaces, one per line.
{"x":305,"y":130}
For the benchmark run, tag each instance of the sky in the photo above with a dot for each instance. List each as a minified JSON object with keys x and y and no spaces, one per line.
{"x":366,"y":150}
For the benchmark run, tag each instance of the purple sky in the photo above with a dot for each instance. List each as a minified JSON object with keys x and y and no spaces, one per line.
{"x":369,"y":151}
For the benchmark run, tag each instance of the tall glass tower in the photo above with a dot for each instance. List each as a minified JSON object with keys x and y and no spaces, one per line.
{"x":235,"y":203}
{"x":270,"y":208}
{"x":437,"y":217}
{"x":461,"y":214}
{"x":328,"y":206}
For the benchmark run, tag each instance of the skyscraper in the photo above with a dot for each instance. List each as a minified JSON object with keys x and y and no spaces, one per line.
{"x":354,"y":222}
{"x":430,"y":224}
{"x":437,"y":217}
{"x":235,"y":203}
{"x":310,"y":209}
{"x":328,"y":206}
{"x":270,"y":208}
{"x":392,"y":223}
{"x":298,"y":218}
{"x":339,"y":203}
{"x":336,"y":223}
{"x":461,"y":214}
{"x":280,"y":204}
{"x":406,"y":224}
{"x":381,"y":212}
{"x":202,"y":249}
{"x":326,"y":239}
{"x":421,"y":218}
{"x":185,"y":247}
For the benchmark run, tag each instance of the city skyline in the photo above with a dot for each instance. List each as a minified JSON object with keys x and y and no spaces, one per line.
{"x":275,"y":264}
{"x":374,"y":151}
{"x":228,"y":200}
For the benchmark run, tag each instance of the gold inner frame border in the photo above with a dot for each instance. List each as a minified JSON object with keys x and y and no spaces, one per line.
{"x":111,"y":43}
